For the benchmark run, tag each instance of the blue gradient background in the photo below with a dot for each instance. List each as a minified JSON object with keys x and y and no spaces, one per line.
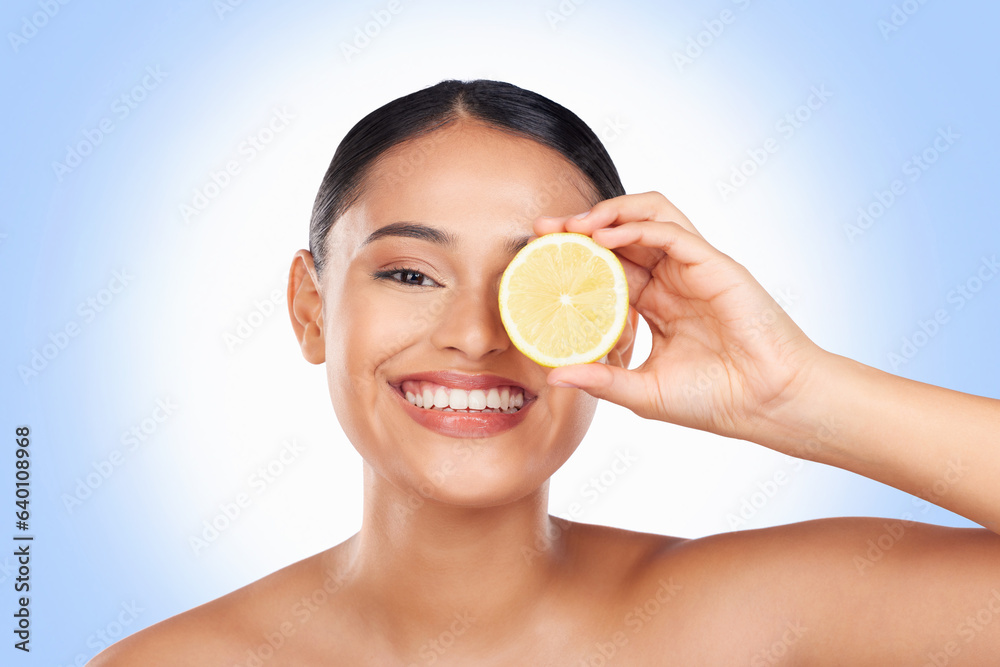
{"x":680,"y":130}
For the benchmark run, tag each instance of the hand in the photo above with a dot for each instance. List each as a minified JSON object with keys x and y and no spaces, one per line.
{"x":724,"y":353}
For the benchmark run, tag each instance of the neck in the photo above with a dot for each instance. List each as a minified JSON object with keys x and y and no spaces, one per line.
{"x":417,"y":558}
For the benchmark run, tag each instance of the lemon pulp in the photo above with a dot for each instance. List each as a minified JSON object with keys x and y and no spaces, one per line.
{"x":564,"y":300}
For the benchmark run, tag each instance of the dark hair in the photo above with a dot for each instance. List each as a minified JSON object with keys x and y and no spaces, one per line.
{"x":494,"y":103}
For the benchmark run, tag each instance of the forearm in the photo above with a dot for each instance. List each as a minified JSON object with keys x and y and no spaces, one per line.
{"x":938,"y":444}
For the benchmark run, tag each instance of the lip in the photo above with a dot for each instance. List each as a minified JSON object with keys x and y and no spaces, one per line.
{"x":459,"y":424}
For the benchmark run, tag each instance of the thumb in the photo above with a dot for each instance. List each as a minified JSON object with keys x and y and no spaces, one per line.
{"x":618,"y":385}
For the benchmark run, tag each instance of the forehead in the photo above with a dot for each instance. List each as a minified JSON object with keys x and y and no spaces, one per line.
{"x":467,"y":179}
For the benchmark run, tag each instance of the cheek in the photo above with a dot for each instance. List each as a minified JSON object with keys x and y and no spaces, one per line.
{"x":572,"y":412}
{"x":365,"y":328}
{"x":357,"y":333}
{"x":583,"y":409}
{"x":361,"y":332}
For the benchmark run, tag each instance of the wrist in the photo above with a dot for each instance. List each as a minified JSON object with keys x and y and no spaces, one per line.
{"x":807,"y":421}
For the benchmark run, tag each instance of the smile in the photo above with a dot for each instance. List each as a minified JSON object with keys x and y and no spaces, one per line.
{"x":462,"y":405}
{"x":502,"y":399}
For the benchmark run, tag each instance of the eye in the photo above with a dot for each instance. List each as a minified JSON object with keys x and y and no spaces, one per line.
{"x":406,"y":277}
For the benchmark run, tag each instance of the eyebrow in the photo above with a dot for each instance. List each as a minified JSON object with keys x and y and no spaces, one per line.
{"x":424,"y":232}
{"x":515,"y":245}
{"x":412,"y":230}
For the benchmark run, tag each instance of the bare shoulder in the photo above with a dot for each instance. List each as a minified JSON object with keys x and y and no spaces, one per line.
{"x":206,"y":635}
{"x":803,"y":566}
{"x":223,"y":630}
{"x":793,"y":591}
{"x":852,"y":546}
{"x":605,"y":561}
{"x":838,"y":550}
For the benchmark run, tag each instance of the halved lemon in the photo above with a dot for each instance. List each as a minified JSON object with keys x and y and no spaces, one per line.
{"x":564,"y":300}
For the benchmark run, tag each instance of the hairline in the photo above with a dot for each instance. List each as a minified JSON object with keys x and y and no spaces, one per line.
{"x":451,"y":122}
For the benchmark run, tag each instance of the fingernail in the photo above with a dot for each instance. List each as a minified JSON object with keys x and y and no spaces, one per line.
{"x":581,"y":216}
{"x":560,"y":383}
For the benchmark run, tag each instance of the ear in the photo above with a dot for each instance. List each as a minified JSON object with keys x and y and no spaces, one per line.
{"x":621,"y":353}
{"x":305,"y":307}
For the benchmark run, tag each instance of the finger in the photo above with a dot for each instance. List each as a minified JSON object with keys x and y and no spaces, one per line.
{"x":639,"y":255}
{"x":667,"y":237}
{"x":543,"y":226}
{"x":549,"y":225}
{"x":629,"y":208}
{"x":611,"y":383}
{"x":637,"y":278}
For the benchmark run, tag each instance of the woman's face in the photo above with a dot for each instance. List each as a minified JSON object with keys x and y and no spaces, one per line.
{"x":410,"y":310}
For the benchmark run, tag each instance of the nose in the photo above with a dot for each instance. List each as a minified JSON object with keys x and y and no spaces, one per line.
{"x":471,"y":324}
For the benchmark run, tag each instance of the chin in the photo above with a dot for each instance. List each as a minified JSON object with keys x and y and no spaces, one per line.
{"x":485,"y":478}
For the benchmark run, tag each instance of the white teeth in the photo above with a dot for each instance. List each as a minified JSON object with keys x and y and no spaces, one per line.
{"x":477,"y":399}
{"x":458,"y":399}
{"x":441,"y":398}
{"x":427,"y":395}
{"x":493,"y":398}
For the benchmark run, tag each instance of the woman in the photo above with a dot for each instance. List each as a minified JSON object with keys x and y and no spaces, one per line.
{"x":458,"y":562}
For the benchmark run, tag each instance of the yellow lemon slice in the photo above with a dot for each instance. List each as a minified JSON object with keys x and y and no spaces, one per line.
{"x":564,"y":300}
